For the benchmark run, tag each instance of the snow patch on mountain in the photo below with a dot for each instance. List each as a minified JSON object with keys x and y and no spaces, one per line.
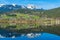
{"x":30,"y":6}
{"x":14,"y":5}
{"x":1,"y":5}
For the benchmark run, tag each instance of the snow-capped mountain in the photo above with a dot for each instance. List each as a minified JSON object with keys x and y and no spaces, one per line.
{"x":7,"y":8}
{"x":30,"y":6}
{"x":1,"y":5}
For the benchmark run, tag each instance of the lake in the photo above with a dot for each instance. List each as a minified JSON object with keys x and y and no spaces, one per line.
{"x":5,"y":35}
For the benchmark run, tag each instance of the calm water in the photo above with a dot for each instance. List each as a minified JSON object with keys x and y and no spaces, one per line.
{"x":5,"y":35}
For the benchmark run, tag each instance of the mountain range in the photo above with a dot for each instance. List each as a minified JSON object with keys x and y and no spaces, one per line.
{"x":30,"y":10}
{"x":6,"y":8}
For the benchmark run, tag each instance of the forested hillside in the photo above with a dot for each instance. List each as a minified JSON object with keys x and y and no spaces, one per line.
{"x":40,"y":12}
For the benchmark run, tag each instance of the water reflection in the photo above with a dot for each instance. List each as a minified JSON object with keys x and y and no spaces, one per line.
{"x":14,"y":36}
{"x":5,"y":33}
{"x":32,"y":35}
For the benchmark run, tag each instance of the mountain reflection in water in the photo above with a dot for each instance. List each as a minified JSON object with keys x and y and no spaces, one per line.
{"x":32,"y":36}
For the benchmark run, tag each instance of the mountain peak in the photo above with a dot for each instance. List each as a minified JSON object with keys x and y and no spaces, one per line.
{"x":1,"y":5}
{"x":14,"y":4}
{"x":30,"y":6}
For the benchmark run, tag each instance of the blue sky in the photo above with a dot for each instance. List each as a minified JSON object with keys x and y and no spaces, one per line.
{"x":46,"y":4}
